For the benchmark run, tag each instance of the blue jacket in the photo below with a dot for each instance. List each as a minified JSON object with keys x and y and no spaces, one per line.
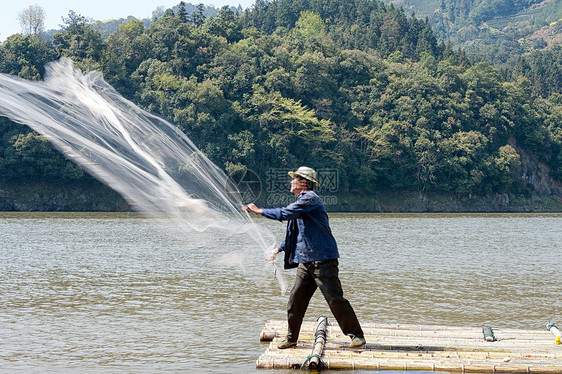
{"x":308,"y":237}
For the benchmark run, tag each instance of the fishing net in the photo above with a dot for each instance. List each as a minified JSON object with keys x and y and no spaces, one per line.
{"x":150,"y":162}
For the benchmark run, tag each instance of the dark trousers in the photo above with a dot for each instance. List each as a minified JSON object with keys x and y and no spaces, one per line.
{"x":323,"y":275}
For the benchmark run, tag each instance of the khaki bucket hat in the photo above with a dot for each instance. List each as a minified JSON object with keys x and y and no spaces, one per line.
{"x":306,"y":173}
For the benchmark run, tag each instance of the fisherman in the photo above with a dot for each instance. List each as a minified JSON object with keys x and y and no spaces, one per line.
{"x":310,"y":247}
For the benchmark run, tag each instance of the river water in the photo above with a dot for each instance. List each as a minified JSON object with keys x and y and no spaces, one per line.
{"x":104,"y":293}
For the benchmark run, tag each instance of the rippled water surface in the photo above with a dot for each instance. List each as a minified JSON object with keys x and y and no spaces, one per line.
{"x":116,"y":293}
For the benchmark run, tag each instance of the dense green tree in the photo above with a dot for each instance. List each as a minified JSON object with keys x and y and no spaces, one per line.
{"x":32,"y":158}
{"x":182,"y":13}
{"x":125,"y":51}
{"x":225,"y":24}
{"x":292,"y":133}
{"x":25,"y":56}
{"x":80,"y":40}
{"x":543,"y":68}
{"x":198,"y":17}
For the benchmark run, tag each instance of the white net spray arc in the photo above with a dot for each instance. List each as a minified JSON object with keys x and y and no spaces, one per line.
{"x":148,"y":161}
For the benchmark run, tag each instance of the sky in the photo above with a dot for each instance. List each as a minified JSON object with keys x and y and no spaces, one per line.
{"x":95,"y":9}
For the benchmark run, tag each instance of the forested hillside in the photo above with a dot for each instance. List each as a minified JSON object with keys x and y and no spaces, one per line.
{"x":469,"y":20}
{"x":496,"y":31}
{"x":364,"y":89}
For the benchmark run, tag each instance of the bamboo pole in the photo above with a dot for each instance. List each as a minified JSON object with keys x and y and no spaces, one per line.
{"x":314,"y":360}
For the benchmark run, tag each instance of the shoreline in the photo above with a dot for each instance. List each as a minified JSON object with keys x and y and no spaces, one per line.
{"x":93,"y":196}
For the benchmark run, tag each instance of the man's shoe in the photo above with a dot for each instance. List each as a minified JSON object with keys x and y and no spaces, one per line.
{"x":357,"y":342}
{"x":286,"y":344}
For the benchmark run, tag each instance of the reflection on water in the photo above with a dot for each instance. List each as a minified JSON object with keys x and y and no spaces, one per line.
{"x":112,"y":292}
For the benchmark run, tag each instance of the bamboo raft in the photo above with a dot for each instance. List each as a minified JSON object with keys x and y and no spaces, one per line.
{"x":416,"y":347}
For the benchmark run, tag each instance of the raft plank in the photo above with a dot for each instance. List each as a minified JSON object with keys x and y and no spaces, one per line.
{"x":420,"y":347}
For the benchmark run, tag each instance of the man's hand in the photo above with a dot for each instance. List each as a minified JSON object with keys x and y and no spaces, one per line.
{"x":270,"y":257}
{"x":253,"y":208}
